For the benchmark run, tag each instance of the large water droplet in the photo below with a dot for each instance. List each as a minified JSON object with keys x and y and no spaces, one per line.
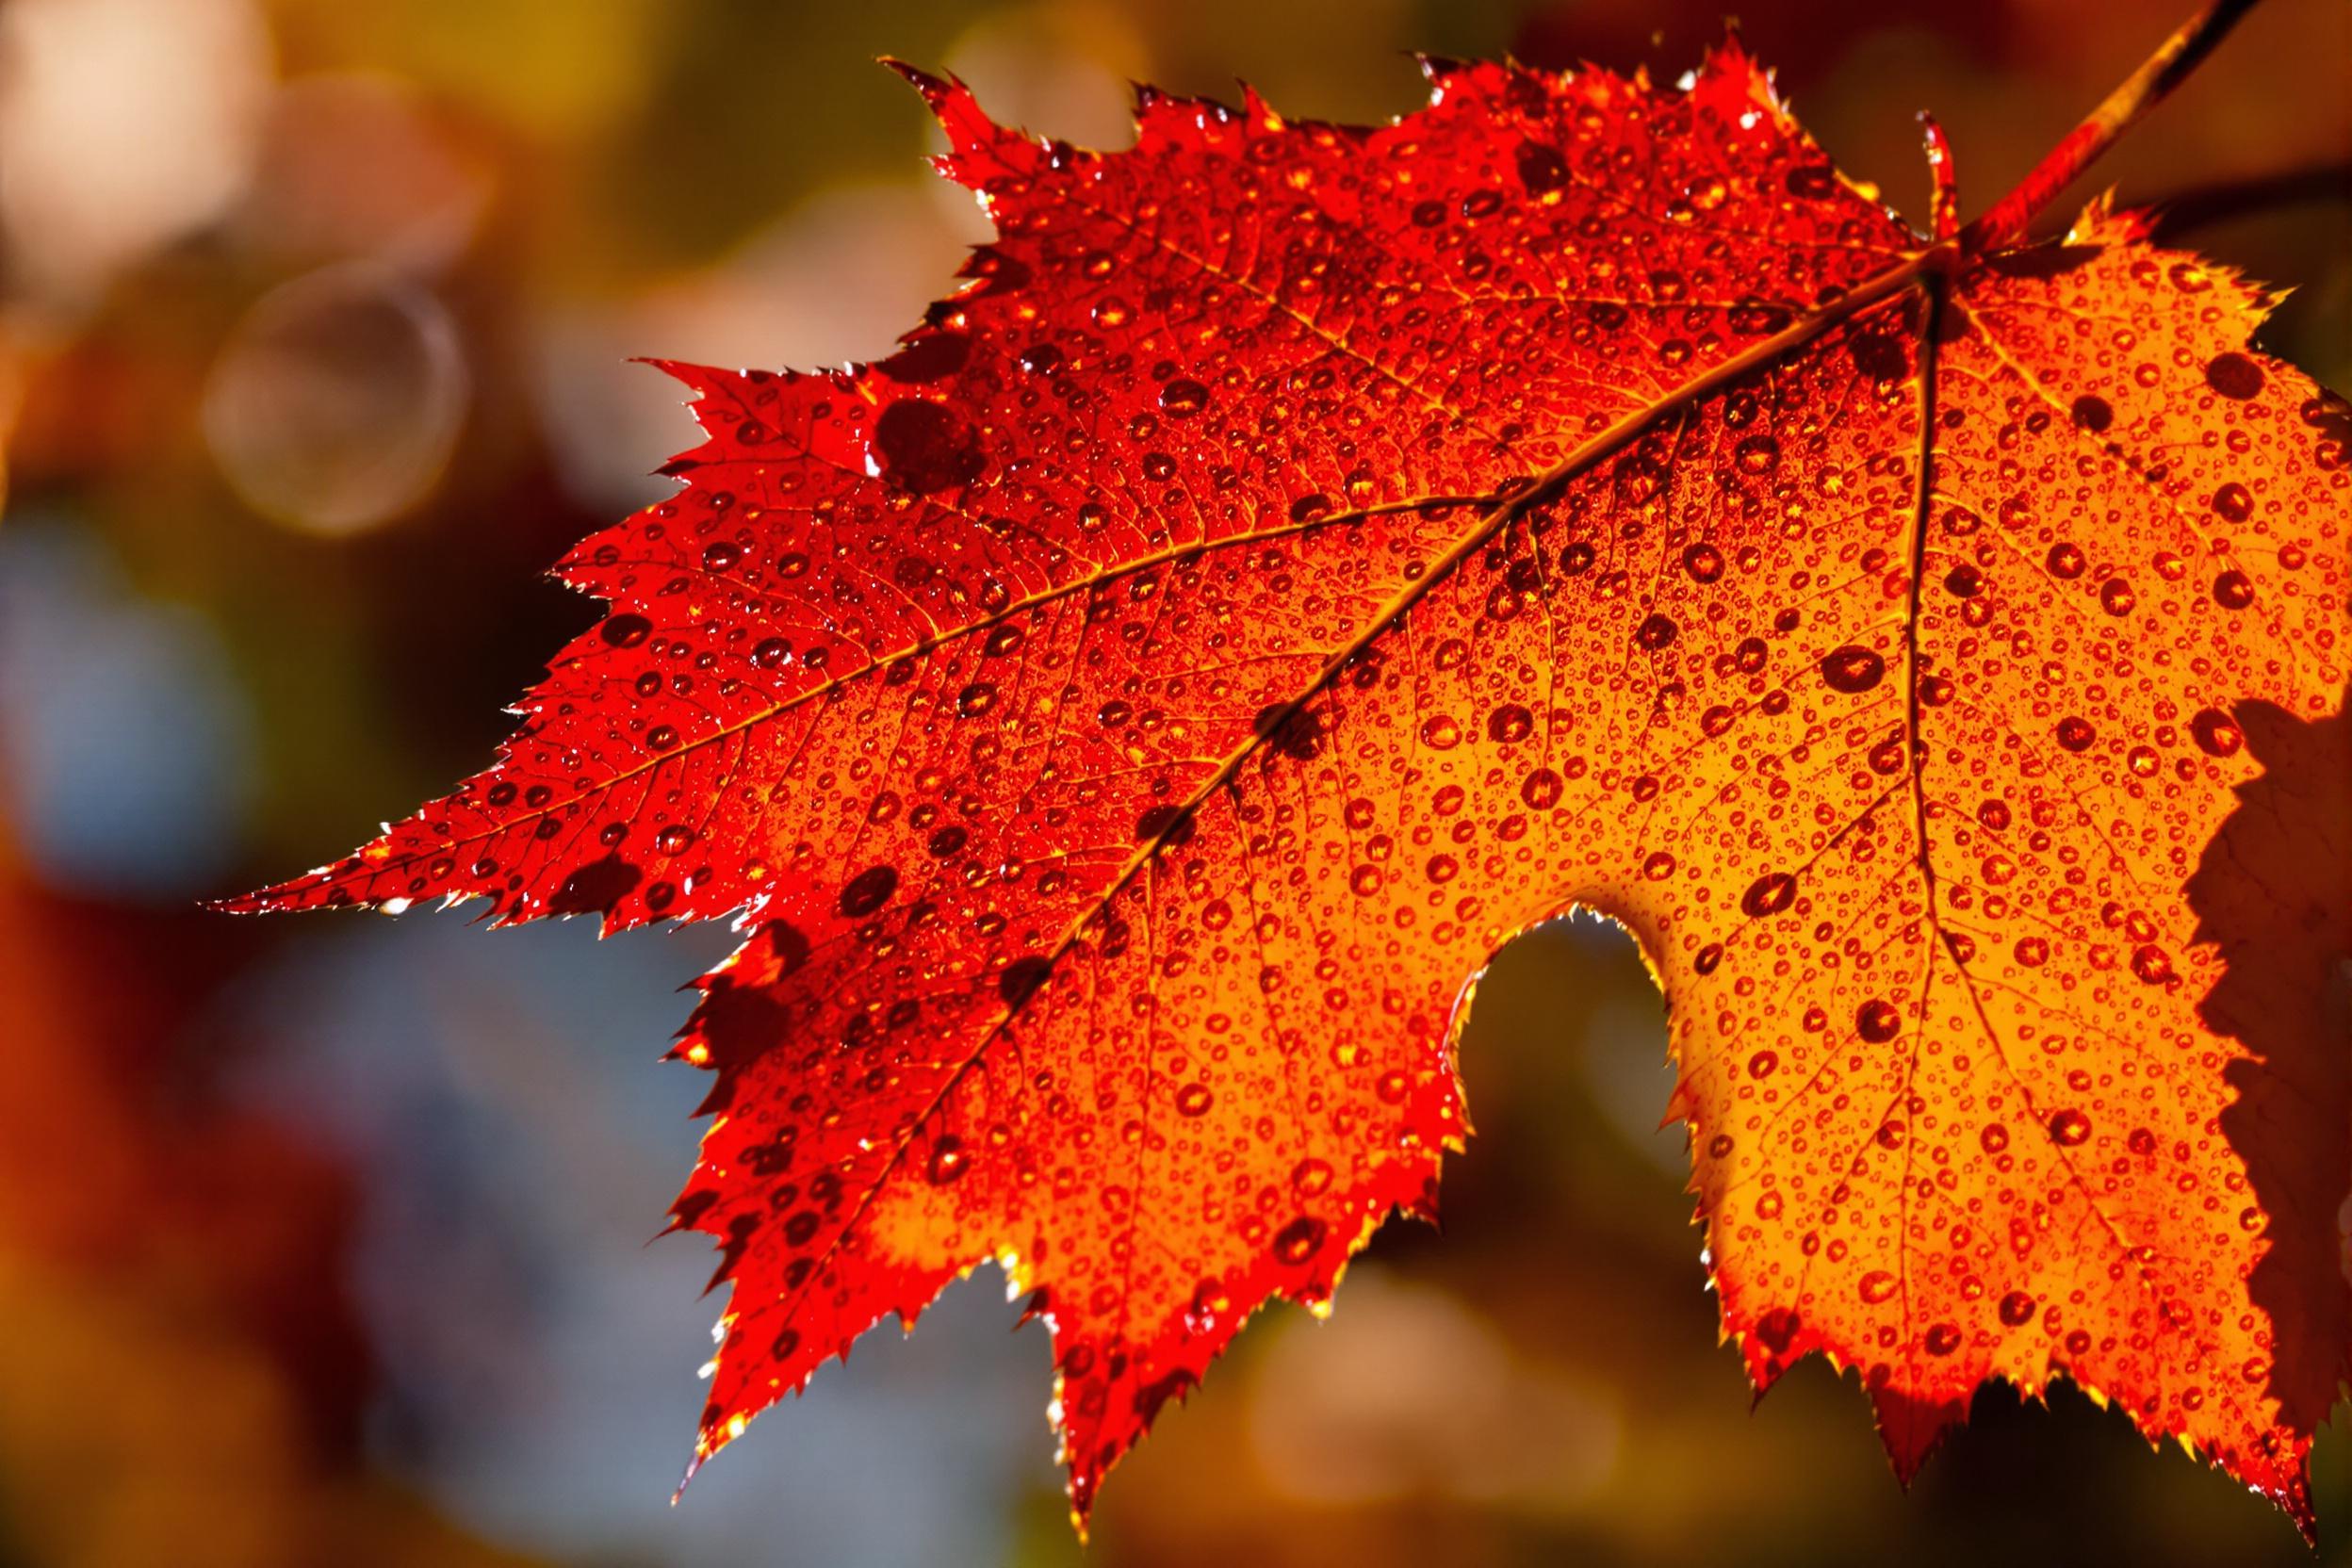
{"x":1853,"y":669}
{"x":1769,"y":895}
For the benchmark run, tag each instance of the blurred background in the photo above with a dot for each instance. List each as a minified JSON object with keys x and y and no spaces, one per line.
{"x":326,"y":1240}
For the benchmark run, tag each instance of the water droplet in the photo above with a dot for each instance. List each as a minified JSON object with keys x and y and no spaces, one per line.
{"x":1811,"y":182}
{"x":2116,"y":597}
{"x":2233,"y":590}
{"x":2234,"y":376}
{"x":869,"y":890}
{"x":1769,"y":895}
{"x":2076,"y":734}
{"x":1541,"y":169}
{"x":1853,"y":669}
{"x":1169,"y":823}
{"x":1878,"y":1020}
{"x":1293,"y":732}
{"x":2070,"y":1128}
{"x":1299,"y":1241}
{"x":2216,"y":734}
{"x":948,"y":1161}
{"x":1509,"y":723}
{"x":1022,"y":979}
{"x":1183,"y":398}
{"x":1879,"y":1285}
{"x":2017,"y":1308}
{"x":2065,"y":562}
{"x":1194,"y":1099}
{"x":922,"y":448}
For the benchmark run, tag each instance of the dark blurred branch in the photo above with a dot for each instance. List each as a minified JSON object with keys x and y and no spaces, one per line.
{"x":2200,"y":206}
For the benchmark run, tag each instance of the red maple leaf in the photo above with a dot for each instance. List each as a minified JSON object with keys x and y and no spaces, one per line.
{"x":1303,"y":556}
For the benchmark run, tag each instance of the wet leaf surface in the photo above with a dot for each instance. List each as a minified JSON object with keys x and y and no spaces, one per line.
{"x":1301,"y":557}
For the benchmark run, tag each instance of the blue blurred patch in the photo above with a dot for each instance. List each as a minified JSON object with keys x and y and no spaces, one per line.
{"x":123,"y":734}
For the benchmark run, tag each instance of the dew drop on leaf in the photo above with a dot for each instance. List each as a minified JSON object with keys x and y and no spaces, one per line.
{"x":2216,"y":734}
{"x":2234,"y":376}
{"x":1851,"y":668}
{"x":947,"y":1162}
{"x":1769,"y":895}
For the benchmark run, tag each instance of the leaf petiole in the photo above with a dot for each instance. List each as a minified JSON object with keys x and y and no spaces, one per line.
{"x":2005,"y":221}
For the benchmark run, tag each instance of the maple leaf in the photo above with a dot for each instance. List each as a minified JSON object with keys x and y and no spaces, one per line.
{"x":1302,"y":557}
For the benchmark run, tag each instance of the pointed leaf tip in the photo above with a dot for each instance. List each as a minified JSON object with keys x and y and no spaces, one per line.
{"x":1914,"y":1427}
{"x":931,"y":88}
{"x":978,"y":147}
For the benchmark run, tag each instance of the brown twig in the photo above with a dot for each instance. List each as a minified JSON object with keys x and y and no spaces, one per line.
{"x":2006,"y":220}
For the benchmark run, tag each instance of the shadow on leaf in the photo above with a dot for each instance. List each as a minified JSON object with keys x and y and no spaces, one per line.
{"x":2274,"y":891}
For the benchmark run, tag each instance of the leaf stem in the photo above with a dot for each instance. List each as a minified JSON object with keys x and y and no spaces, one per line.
{"x":2005,"y":220}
